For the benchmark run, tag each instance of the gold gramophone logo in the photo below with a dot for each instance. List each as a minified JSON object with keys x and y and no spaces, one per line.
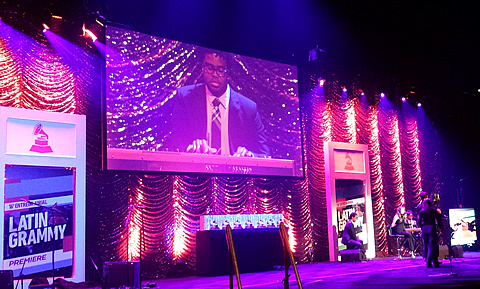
{"x":349,"y":163}
{"x":41,"y":142}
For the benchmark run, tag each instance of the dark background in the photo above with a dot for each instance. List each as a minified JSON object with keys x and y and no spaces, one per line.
{"x":431,"y":48}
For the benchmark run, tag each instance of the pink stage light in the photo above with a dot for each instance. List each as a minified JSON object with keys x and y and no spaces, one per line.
{"x":89,"y":34}
{"x":179,"y":243}
{"x":382,"y":94}
{"x":45,"y":27}
{"x":134,"y":243}
{"x":321,"y":81}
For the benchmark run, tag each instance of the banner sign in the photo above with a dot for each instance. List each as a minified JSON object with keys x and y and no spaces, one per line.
{"x":38,"y":220}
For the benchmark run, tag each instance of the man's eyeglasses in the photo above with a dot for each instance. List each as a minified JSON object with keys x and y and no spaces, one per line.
{"x":220,"y":70}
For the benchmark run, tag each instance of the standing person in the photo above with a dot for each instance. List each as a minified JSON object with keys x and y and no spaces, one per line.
{"x":398,"y":228}
{"x":423,"y":196}
{"x":349,"y":237}
{"x":429,"y":219}
{"x":212,"y":118}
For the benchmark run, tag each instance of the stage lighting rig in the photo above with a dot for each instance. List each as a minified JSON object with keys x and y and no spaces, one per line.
{"x":89,"y":34}
{"x":45,"y":27}
{"x":94,"y":25}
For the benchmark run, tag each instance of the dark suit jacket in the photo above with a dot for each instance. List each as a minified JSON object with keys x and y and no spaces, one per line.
{"x":348,"y":233}
{"x":429,"y":219}
{"x":189,"y":123}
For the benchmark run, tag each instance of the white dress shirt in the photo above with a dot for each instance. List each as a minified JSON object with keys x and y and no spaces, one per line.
{"x":224,"y":99}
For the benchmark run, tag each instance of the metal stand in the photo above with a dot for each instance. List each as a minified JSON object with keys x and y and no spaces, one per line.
{"x":21,"y":275}
{"x":450,"y":258}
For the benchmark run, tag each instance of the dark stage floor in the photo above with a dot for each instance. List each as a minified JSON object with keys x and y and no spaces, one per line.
{"x":377,"y":273}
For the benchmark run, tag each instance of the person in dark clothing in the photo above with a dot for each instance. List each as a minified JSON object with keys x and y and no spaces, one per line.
{"x":349,"y":237}
{"x":423,"y":196}
{"x":212,"y":118}
{"x":429,"y":219}
{"x":398,"y":228}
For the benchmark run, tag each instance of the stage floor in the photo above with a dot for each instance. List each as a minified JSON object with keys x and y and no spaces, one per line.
{"x":377,"y":273}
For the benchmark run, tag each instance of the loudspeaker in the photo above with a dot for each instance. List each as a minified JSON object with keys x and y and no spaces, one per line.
{"x":442,"y":252}
{"x":352,"y":255}
{"x":116,"y":274}
{"x":6,"y":279}
{"x":457,"y":251}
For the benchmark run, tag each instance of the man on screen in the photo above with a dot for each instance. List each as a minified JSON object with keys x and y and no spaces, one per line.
{"x":212,"y":118}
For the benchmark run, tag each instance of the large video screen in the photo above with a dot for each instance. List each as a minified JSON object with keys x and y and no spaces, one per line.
{"x":178,"y":107}
{"x":462,"y":222}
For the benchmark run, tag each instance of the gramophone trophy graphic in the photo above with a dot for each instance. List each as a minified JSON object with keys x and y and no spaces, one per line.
{"x":349,"y":163}
{"x":41,"y":142}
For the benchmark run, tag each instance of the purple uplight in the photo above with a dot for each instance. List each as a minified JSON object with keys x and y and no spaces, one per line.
{"x":382,"y":94}
{"x":362,"y":94}
{"x":404,"y":99}
{"x":321,"y":82}
{"x":344,"y":89}
{"x":419,"y":104}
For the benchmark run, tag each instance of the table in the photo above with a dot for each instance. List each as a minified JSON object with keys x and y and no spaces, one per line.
{"x":417,"y":239}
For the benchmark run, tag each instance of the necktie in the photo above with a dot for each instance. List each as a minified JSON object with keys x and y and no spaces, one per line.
{"x":216,"y":125}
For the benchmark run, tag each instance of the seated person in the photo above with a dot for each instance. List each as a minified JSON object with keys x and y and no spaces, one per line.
{"x":410,"y":221}
{"x":349,"y":237}
{"x":212,"y":118}
{"x":398,"y":228}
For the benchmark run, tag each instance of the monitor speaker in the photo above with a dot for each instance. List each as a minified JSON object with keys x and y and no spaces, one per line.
{"x":6,"y":279}
{"x":117,"y":274}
